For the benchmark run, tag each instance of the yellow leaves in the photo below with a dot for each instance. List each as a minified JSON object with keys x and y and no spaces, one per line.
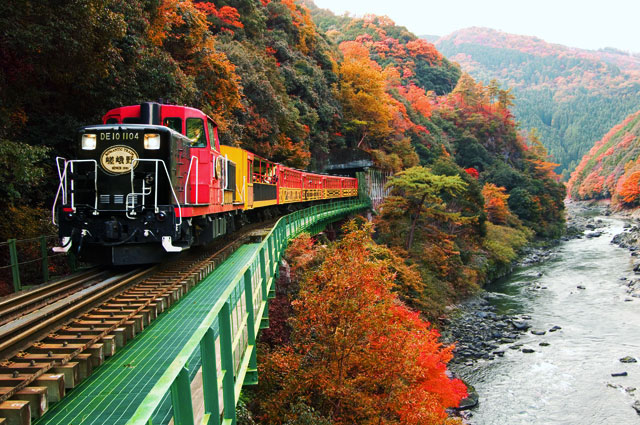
{"x":362,"y":92}
{"x":495,"y":203}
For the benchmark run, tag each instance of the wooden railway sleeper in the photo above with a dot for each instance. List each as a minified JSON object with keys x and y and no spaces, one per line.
{"x":35,"y":396}
{"x":139,"y":304}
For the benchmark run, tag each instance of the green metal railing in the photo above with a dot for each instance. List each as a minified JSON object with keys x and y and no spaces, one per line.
{"x":24,"y":254}
{"x":229,"y":360}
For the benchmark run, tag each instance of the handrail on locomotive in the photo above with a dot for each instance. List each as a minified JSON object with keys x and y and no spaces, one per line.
{"x":224,"y":186}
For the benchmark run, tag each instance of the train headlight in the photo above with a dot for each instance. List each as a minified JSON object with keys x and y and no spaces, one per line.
{"x":88,"y":142}
{"x":152,"y":141}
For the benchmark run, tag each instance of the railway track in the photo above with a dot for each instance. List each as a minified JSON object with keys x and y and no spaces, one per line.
{"x":50,"y":342}
{"x":14,"y":306}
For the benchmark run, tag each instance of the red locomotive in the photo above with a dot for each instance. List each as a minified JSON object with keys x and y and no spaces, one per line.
{"x":153,"y":179}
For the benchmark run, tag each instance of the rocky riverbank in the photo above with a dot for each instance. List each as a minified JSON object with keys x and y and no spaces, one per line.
{"x":483,"y":333}
{"x":480,"y":334}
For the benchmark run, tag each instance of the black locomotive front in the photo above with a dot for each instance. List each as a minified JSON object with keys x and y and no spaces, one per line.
{"x":122,"y":192}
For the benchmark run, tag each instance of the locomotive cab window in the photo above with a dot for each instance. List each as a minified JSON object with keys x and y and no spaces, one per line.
{"x":112,"y":121}
{"x":173,"y":124}
{"x":212,"y":135}
{"x":131,"y":120}
{"x":195,"y":132}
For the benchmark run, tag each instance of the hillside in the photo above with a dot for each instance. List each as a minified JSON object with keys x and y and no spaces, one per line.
{"x":304,"y":87}
{"x":611,"y":169}
{"x":572,"y":96}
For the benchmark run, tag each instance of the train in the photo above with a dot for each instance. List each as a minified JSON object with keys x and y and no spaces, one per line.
{"x":153,"y":179}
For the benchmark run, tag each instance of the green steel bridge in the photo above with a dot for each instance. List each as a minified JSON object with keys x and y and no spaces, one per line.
{"x":206,"y":342}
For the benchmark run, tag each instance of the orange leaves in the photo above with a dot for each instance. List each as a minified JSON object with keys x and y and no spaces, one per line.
{"x":545,"y":168}
{"x":425,"y":50}
{"x":358,"y":355}
{"x":418,"y":99}
{"x":224,"y":19}
{"x":495,"y":203}
{"x":296,"y":154}
{"x":630,"y":188}
{"x":609,"y":168}
{"x":182,"y":28}
{"x":300,"y":253}
{"x":352,"y":50}
{"x":168,"y":17}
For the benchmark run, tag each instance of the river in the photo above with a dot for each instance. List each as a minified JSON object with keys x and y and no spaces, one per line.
{"x":569,"y":381}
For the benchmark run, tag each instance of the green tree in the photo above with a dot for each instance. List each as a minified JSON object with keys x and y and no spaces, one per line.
{"x":422,"y":191}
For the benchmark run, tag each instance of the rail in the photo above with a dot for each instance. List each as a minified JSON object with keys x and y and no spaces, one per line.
{"x":236,"y":348}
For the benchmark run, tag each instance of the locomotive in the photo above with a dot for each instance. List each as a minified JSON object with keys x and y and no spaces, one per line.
{"x":153,"y":179}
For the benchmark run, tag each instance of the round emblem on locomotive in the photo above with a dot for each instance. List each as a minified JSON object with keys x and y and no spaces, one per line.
{"x":118,"y":159}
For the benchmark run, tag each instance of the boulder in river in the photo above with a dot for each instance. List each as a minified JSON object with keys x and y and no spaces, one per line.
{"x":555,"y":328}
{"x":521,"y":325}
{"x":539,"y":333}
{"x":471,"y":400}
{"x":581,"y":287}
{"x":636,"y":406}
{"x":628,"y":359}
{"x":619,"y":374}
{"x":528,"y":350}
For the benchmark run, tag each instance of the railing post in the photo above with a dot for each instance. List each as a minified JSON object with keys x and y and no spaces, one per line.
{"x":15,"y":268}
{"x":288,"y":223}
{"x":264,"y":291}
{"x":263,"y":272}
{"x":252,"y":371}
{"x":181,"y":399}
{"x":73,"y":261}
{"x":45,"y":259}
{"x":226,"y":360}
{"x":210,"y":376}
{"x":277,"y":237}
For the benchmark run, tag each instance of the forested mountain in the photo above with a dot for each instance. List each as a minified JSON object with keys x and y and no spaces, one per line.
{"x":571,"y":96}
{"x":302,"y":86}
{"x":611,"y":169}
{"x":289,"y":81}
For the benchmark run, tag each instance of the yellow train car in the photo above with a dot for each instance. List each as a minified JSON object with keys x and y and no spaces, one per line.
{"x":256,"y":178}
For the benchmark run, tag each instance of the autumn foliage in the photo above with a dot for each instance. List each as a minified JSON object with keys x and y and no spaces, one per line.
{"x":495,"y":203}
{"x":357,"y":354}
{"x":611,"y":169}
{"x":572,"y":96}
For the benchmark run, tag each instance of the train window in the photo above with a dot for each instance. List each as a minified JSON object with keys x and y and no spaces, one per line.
{"x":195,"y":132}
{"x":112,"y":121}
{"x":257,"y":178}
{"x":131,"y":120}
{"x":173,"y":124}
{"x":211,"y":134}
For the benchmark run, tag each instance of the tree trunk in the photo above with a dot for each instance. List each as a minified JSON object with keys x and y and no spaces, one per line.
{"x":415,"y":221}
